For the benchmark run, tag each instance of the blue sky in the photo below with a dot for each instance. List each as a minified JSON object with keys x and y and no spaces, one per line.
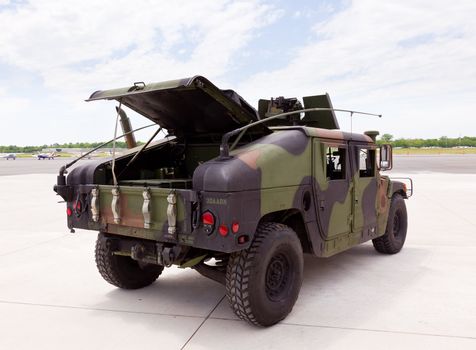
{"x":412,"y":61}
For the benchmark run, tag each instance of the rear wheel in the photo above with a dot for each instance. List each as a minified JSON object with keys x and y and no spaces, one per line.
{"x":263,"y":281}
{"x":396,"y":232}
{"x":123,"y":271}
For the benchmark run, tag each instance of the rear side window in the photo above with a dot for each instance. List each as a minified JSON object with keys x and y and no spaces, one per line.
{"x":335,"y":163}
{"x":366,"y":162}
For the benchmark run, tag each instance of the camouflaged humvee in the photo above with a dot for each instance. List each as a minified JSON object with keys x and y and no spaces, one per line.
{"x":236,"y":194}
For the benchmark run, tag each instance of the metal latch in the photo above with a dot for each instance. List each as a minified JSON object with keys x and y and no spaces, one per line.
{"x":95,"y":204}
{"x":172,"y":214}
{"x":115,"y":205}
{"x":322,"y":204}
{"x":146,"y":208}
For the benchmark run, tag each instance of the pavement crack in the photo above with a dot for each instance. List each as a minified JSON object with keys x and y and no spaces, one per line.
{"x":94,"y":309}
{"x":357,"y":329}
{"x":201,"y":324}
{"x":381,"y":331}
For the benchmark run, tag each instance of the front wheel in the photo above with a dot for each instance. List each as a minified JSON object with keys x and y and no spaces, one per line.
{"x":123,"y":271}
{"x":263,"y":281}
{"x":396,"y":232}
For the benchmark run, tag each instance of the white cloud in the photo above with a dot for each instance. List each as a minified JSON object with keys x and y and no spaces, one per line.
{"x":75,"y":45}
{"x":10,"y":104}
{"x":413,"y":61}
{"x":11,"y":108}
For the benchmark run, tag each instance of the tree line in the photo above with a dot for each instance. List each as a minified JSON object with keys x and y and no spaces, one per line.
{"x":59,"y":146}
{"x":443,"y":141}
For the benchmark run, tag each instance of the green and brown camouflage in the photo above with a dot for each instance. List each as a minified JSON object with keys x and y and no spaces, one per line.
{"x":303,"y":172}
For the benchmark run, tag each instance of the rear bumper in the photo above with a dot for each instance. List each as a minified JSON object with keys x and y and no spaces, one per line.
{"x":147,"y":213}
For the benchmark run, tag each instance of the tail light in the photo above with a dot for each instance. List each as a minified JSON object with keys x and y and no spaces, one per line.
{"x":235,"y":226}
{"x":223,"y":230}
{"x":208,"y":221}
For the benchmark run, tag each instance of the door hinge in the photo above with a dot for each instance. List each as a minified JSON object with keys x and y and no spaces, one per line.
{"x":95,"y":204}
{"x":115,"y":205}
{"x":146,"y":208}
{"x":172,"y":214}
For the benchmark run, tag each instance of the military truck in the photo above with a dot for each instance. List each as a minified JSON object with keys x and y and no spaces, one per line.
{"x":235,"y":193}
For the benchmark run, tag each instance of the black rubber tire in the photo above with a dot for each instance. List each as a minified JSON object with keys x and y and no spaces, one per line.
{"x":396,"y":232}
{"x":123,"y":271}
{"x":263,"y":281}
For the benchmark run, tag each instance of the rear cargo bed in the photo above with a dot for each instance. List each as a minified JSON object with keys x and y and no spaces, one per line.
{"x":161,"y":183}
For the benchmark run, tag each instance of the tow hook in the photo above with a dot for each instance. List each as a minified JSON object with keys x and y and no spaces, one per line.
{"x":165,"y":255}
{"x":140,"y":253}
{"x":137,"y":252}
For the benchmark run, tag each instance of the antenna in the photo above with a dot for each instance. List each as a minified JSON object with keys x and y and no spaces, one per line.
{"x":351,"y":120}
{"x":225,"y":149}
{"x":351,"y":125}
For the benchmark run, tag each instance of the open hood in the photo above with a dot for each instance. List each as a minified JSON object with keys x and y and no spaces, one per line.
{"x":186,"y":106}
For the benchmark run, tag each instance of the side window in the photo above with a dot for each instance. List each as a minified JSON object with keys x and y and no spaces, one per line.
{"x":366,"y":162}
{"x":335,"y":163}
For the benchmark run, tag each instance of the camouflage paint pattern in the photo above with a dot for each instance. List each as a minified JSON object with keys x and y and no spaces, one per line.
{"x":272,"y":178}
{"x":270,"y":175}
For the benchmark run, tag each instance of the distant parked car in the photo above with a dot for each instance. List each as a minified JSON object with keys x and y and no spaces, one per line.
{"x":11,"y":156}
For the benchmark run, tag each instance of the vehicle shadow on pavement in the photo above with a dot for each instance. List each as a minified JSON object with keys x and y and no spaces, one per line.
{"x":177,"y":292}
{"x":363,"y":264}
{"x":356,"y":285}
{"x":349,"y":285}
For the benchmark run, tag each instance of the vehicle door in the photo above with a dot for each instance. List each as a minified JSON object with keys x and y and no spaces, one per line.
{"x":332,"y":190}
{"x":363,"y":162}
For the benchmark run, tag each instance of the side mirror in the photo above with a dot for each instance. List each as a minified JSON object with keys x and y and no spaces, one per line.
{"x":386,"y":157}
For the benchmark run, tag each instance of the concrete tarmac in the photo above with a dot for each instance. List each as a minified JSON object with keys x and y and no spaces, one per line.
{"x":23,"y":166}
{"x":451,"y":164}
{"x":52,"y":297}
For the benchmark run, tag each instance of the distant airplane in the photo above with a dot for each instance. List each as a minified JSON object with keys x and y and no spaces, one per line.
{"x":50,"y":155}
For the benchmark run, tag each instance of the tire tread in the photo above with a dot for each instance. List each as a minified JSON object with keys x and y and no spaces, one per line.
{"x":107,"y":267}
{"x":385,"y":244}
{"x":238,"y":273}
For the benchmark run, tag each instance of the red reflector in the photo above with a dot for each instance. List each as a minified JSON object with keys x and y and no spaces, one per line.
{"x":223,"y":230}
{"x":235,"y":227}
{"x":78,"y":206}
{"x":243,"y":239}
{"x":69,"y":212}
{"x":208,"y":218}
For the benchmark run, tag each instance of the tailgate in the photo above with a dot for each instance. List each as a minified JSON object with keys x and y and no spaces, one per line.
{"x":153,"y":213}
